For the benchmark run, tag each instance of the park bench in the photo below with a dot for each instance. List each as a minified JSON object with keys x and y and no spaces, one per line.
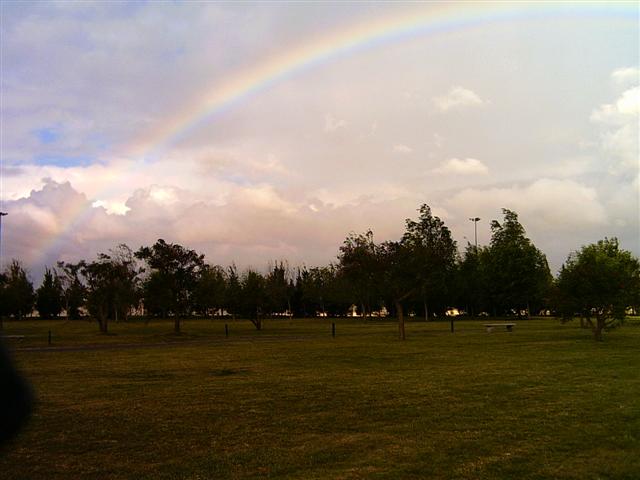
{"x":490,"y":326}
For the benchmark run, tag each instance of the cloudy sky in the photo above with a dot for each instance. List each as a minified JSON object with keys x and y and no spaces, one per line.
{"x":264,"y":131}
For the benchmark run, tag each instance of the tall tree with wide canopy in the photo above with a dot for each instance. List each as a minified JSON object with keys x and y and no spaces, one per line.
{"x":279,"y":288}
{"x":421,"y":265}
{"x":233,"y":292}
{"x":360,"y":267}
{"x":516,"y":270}
{"x":470,"y":285}
{"x":254,"y":297}
{"x":17,"y":291}
{"x":74,"y":290}
{"x":50,"y":295}
{"x":174,"y":273}
{"x":112,"y":285}
{"x":398,"y":279}
{"x":433,"y":258}
{"x":599,"y":283}
{"x":210,"y":290}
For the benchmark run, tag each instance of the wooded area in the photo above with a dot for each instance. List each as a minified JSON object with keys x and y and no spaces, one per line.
{"x":421,"y":274}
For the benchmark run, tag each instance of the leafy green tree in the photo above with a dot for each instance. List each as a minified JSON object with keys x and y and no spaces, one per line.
{"x":254,"y":297}
{"x":433,"y":254}
{"x":112,"y":285}
{"x":174,"y":275}
{"x":210,"y":289}
{"x":599,"y":283}
{"x":74,"y":291}
{"x":471,"y":284}
{"x":399,"y":277}
{"x":278,"y":288}
{"x":516,"y":270}
{"x":315,"y":285}
{"x":17,"y":291}
{"x":50,"y":295}
{"x":421,"y":265}
{"x":360,"y":267}
{"x":233,"y":292}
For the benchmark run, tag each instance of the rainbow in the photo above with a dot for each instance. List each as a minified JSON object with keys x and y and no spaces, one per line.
{"x":430,"y":19}
{"x":422,"y":20}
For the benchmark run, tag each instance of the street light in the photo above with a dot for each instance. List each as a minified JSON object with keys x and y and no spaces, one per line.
{"x":475,"y":221}
{"x":2,"y":214}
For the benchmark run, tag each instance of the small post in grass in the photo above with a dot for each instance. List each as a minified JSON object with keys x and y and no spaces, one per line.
{"x":49,"y":340}
{"x":333,"y":329}
{"x":226,"y":330}
{"x":452,"y":328}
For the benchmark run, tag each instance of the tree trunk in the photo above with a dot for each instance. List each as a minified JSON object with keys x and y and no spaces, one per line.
{"x":176,"y":324}
{"x":597,"y":329}
{"x":258,"y":322}
{"x":400,"y":314}
{"x":103,"y":319}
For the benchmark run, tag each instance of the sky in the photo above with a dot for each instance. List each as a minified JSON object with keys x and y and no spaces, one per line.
{"x":261,"y":131}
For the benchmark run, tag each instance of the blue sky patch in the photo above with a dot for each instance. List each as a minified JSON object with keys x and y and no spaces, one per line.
{"x":47,"y":135}
{"x":62,"y":161}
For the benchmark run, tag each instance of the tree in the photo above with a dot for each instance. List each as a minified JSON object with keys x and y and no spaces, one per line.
{"x":74,"y":291}
{"x":359,"y":265}
{"x":470,"y":285}
{"x":209,"y":292}
{"x":233,"y":290}
{"x":599,"y":283}
{"x":50,"y":295}
{"x":421,"y":265}
{"x":254,"y":297}
{"x":433,"y":252}
{"x":278,"y":288}
{"x":112,"y":285}
{"x":174,"y":274}
{"x":17,"y":291}
{"x":399,"y":277}
{"x":517,"y":271}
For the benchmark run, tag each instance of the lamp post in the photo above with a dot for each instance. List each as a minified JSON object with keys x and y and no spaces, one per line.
{"x":475,"y":221}
{"x":2,"y":214}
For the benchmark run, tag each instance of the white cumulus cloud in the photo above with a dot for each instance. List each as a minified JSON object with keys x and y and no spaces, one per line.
{"x":457,"y":97}
{"x":468,"y":166}
{"x":620,"y":132}
{"x":546,"y":203}
{"x":402,"y":149}
{"x":626,"y":76}
{"x":331,"y":123}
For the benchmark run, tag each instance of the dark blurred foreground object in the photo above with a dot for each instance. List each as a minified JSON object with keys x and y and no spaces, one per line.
{"x":16,"y":398}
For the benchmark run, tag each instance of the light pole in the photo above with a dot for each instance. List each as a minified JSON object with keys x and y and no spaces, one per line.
{"x":475,"y":221}
{"x":2,"y":214}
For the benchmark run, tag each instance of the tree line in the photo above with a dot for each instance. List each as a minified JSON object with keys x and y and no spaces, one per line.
{"x":422,"y":274}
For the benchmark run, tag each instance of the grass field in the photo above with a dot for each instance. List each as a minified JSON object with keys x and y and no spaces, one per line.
{"x":545,"y":401}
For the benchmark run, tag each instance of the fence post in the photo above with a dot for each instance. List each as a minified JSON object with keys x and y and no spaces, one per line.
{"x":49,"y":337}
{"x":226,"y":330}
{"x":333,"y":329}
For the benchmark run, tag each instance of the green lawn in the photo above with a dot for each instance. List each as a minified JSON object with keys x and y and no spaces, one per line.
{"x":545,"y":401}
